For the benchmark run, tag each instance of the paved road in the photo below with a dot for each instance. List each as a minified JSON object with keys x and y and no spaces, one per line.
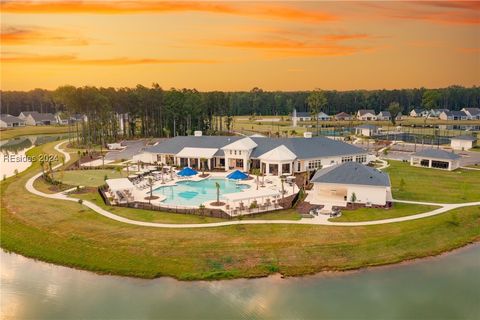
{"x":320,"y":220}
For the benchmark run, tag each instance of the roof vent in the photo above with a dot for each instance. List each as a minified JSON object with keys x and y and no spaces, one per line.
{"x":307,"y":135}
{"x":197,"y":133}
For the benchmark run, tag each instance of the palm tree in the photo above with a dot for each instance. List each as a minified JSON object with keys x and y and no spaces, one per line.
{"x":256,"y":172}
{"x":282,"y":179}
{"x":217,"y":185}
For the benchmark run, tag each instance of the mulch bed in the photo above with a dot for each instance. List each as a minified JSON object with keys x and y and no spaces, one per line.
{"x":217,"y":204}
{"x":151,"y":198}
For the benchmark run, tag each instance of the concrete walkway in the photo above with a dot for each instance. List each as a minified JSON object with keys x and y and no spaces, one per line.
{"x":320,"y":220}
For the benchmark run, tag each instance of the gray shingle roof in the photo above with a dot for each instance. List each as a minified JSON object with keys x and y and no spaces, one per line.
{"x":473,"y":111}
{"x":303,"y":114}
{"x":10,"y":119}
{"x":437,"y":154}
{"x":455,"y":113}
{"x":352,"y":173}
{"x":316,"y":147}
{"x":384,"y":114}
{"x":467,"y":138}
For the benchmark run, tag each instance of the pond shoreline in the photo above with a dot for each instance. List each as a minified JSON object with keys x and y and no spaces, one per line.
{"x":320,"y":274}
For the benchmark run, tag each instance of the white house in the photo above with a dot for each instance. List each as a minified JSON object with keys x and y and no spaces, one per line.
{"x":384,"y":115}
{"x":34,"y":118}
{"x":350,"y":182}
{"x":367,"y":130}
{"x":9,"y":121}
{"x":453,"y":115}
{"x":301,"y":116}
{"x":472,"y":113}
{"x":322,"y":116}
{"x":463,"y":142}
{"x":366,"y":115}
{"x":435,"y":158}
{"x":419,"y":113}
{"x":273,"y":156}
{"x":343,"y":116}
{"x":435,"y":113}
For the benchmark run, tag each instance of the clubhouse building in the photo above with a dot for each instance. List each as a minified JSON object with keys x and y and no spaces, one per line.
{"x":272,"y":156}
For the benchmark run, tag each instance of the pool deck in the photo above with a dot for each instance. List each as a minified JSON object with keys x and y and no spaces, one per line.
{"x":270,"y":182}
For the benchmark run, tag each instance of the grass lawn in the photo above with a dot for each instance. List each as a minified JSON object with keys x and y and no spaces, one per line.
{"x":367,"y":214}
{"x":433,"y":185}
{"x":145,"y":215}
{"x":289,"y":214}
{"x":31,"y":130}
{"x":88,"y":178}
{"x":70,"y":234}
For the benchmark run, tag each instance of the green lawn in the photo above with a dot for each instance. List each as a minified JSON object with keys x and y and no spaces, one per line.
{"x":367,"y":214}
{"x":88,"y":178}
{"x":70,"y":234}
{"x":31,"y":130}
{"x":433,"y":185}
{"x":146,"y":215}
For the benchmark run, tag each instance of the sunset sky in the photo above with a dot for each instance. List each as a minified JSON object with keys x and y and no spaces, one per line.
{"x":240,"y":45}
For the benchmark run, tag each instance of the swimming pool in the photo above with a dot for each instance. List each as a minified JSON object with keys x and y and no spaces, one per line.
{"x":194,"y":193}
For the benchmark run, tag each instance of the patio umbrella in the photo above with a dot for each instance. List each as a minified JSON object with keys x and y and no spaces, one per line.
{"x":187,"y":172}
{"x":237,"y":175}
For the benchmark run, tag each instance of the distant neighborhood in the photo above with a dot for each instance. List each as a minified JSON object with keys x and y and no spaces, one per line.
{"x":35,"y":118}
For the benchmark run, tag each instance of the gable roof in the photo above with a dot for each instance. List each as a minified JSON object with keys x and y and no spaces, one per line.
{"x":10,"y":119}
{"x":280,"y":153}
{"x":384,"y":113}
{"x":437,"y":154}
{"x":465,"y":138}
{"x":365,"y":111}
{"x":303,"y":148}
{"x":472,"y":111}
{"x":418,"y":110}
{"x":242,"y":144}
{"x":342,"y":114}
{"x":352,"y":173}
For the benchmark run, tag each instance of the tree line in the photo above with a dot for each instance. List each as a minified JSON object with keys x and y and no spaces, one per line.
{"x":154,"y":112}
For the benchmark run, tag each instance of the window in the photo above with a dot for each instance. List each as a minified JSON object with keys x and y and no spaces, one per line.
{"x":314,"y":164}
{"x":235,"y":152}
{"x":361,"y":159}
{"x":299,"y":168}
{"x":347,"y":159}
{"x":286,"y":168}
{"x":230,"y":152}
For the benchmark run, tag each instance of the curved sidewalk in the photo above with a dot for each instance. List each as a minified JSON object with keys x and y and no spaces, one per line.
{"x":321,"y":220}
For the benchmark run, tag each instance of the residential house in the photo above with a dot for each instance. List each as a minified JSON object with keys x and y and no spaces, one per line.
{"x":322,"y":116}
{"x":9,"y":121}
{"x":366,"y":115}
{"x":435,"y":158}
{"x":384,"y":115}
{"x":419,"y":113}
{"x":472,"y":113}
{"x":350,"y":183}
{"x":283,"y":156}
{"x":34,"y":118}
{"x":435,"y":113}
{"x":343,"y":116}
{"x":463,"y":142}
{"x":453,"y":115}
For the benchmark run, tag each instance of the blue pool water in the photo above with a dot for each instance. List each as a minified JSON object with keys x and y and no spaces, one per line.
{"x":194,"y":193}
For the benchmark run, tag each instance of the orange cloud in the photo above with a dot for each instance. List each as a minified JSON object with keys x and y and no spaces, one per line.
{"x":135,"y":7}
{"x":469,"y":50}
{"x":29,"y":35}
{"x":438,"y":12}
{"x":74,"y":60}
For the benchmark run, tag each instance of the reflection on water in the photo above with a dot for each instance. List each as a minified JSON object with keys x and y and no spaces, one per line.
{"x":445,"y":287}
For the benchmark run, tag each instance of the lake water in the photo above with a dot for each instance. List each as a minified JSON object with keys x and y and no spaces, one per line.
{"x":445,"y":287}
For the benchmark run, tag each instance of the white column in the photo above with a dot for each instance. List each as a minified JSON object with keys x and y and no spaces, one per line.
{"x":430,"y":163}
{"x":267,"y":168}
{"x":226,"y":162}
{"x":280,"y":171}
{"x":245,"y":164}
{"x":188,"y":162}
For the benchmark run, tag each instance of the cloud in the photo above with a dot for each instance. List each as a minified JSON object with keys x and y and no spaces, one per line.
{"x":12,"y":35}
{"x":74,"y":60}
{"x":437,"y":12}
{"x":304,"y":44}
{"x":274,"y":11}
